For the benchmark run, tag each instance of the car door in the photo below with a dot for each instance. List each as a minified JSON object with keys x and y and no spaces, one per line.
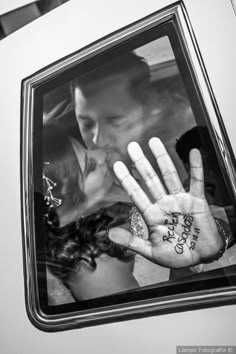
{"x":57,"y":35}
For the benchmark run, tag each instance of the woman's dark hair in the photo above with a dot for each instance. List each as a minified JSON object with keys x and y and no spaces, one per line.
{"x":85,"y":240}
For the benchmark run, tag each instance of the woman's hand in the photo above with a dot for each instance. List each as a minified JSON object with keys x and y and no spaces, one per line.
{"x":182,"y":230}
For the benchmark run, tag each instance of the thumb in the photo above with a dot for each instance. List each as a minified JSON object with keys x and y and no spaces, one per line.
{"x":127,"y":239}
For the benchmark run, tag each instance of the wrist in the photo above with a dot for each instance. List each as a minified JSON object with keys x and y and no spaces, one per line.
{"x":225,"y":233}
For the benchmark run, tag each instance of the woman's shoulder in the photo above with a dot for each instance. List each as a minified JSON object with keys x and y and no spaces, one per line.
{"x":110,"y":276}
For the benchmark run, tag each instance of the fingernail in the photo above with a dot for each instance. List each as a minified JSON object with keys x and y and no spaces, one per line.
{"x":120,"y":169}
{"x":114,"y":234}
{"x":134,"y":150}
{"x":155,"y":143}
{"x":196,"y":156}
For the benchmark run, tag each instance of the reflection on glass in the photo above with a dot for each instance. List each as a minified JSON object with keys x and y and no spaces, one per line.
{"x":88,"y":123}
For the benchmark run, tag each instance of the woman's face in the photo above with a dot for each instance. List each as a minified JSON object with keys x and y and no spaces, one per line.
{"x":97,"y":178}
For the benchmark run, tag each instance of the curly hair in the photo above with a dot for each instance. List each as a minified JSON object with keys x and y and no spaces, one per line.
{"x":85,"y":240}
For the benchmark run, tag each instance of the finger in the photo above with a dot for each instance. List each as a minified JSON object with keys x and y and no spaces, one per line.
{"x":125,"y":238}
{"x":146,"y":171}
{"x":167,"y":168}
{"x":131,"y":187}
{"x":197,"y":175}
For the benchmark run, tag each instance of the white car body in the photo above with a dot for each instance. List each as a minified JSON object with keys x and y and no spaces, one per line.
{"x":48,"y":39}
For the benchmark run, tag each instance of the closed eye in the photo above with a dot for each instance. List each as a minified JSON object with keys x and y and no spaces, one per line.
{"x":116,"y":121}
{"x":88,"y":125}
{"x":86,"y":122}
{"x":90,"y":166}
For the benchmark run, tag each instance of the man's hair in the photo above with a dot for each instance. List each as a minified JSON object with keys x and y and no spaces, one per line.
{"x":197,"y":137}
{"x":134,"y":68}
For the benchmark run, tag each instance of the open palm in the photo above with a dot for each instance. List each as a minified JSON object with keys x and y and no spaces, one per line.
{"x":181,"y":229}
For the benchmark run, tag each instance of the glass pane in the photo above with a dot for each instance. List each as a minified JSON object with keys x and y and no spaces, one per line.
{"x":84,"y":120}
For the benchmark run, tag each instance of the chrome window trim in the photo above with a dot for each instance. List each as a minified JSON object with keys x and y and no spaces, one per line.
{"x":82,"y":318}
{"x":233,"y":3}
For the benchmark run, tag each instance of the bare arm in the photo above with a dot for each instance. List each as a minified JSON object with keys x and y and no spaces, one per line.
{"x":110,"y":276}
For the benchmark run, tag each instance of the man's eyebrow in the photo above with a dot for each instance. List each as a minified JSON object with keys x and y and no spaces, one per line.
{"x":81,"y":116}
{"x":118,"y":116}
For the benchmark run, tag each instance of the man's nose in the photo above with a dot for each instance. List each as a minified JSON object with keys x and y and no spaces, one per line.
{"x":101,"y":137}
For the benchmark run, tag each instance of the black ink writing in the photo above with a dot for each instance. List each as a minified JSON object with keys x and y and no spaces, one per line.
{"x":179,"y":248}
{"x":188,"y":231}
{"x":194,"y":238}
{"x":171,"y":227}
{"x":187,"y":228}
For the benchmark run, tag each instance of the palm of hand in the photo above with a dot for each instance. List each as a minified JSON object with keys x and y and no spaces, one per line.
{"x":182,"y":231}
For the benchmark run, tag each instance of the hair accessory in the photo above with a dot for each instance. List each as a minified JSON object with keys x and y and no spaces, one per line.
{"x":50,"y":200}
{"x":136,"y":224}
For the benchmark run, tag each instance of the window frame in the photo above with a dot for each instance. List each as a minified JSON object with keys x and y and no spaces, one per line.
{"x":110,"y":309}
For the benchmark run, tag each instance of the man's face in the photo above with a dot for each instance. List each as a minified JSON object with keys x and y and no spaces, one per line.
{"x":109,"y":117}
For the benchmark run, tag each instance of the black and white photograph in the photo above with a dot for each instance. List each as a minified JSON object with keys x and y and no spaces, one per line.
{"x":133,"y":192}
{"x":118,"y":176}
